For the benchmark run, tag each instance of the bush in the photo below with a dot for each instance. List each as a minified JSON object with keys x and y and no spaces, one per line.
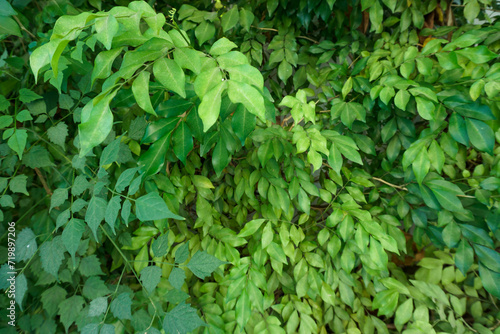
{"x":260,"y":166}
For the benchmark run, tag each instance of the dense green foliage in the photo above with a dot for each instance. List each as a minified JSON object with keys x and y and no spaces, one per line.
{"x":261,"y":166}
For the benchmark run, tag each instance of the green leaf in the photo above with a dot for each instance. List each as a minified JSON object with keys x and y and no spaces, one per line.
{"x":95,"y":214}
{"x":17,"y":142}
{"x":72,"y":234}
{"x":204,"y":32}
{"x":401,"y":99}
{"x":70,"y":309}
{"x":421,"y":165}
{"x":52,"y":297}
{"x":112,"y":210}
{"x":106,"y":28}
{"x":21,"y":287}
{"x":182,"y":320}
{"x":96,"y":126}
{"x":160,"y":246}
{"x":103,"y":63}
{"x":9,"y":26}
{"x":488,"y":257}
{"x":6,"y":8}
{"x":209,"y":108}
{"x":170,"y":75}
{"x":52,"y":254}
{"x":425,"y":108}
{"x":59,"y":196}
{"x":476,"y":235}
{"x":206,"y":81}
{"x":243,"y":123}
{"x":464,"y":257}
{"x":490,"y":280}
{"x":27,"y":95}
{"x":57,"y":134}
{"x":125,"y":178}
{"x":243,"y":309}
{"x":121,"y":306}
{"x":222,"y":46}
{"x":247,"y":74}
{"x":480,"y":135}
{"x":140,"y":88}
{"x":151,"y":162}
{"x":150,"y":277}
{"x":110,"y":152}
{"x":18,"y":184}
{"x":177,"y":277}
{"x":90,"y":266}
{"x":446,"y":194}
{"x":153,"y":207}
{"x":26,"y":245}
{"x":183,"y":142}
{"x":203,"y":264}
{"x":220,"y":157}
{"x":246,"y":18}
{"x":457,"y":129}
{"x":188,"y":58}
{"x":386,"y":302}
{"x":230,"y":18}
{"x":251,"y":227}
{"x":182,"y":253}
{"x":98,"y":306}
{"x":240,"y":92}
{"x":478,"y":55}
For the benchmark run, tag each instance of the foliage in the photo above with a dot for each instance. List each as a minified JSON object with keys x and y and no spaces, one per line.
{"x":260,"y":166}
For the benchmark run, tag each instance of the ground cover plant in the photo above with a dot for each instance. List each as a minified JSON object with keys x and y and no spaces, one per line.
{"x":263,"y":166}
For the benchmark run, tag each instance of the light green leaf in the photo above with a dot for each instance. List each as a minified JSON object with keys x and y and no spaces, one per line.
{"x":188,"y":58}
{"x":121,"y":306}
{"x":170,"y":75}
{"x":207,"y":81}
{"x":26,"y":245}
{"x":57,"y":134}
{"x":210,"y":106}
{"x":490,"y":280}
{"x":26,"y":95}
{"x":204,"y":32}
{"x":140,"y":88}
{"x":183,"y":142}
{"x":106,"y":28}
{"x":177,"y":277}
{"x":17,"y":142}
{"x":98,"y":306}
{"x":96,"y":126}
{"x":248,"y":74}
{"x":153,"y":207}
{"x":150,"y":277}
{"x":160,"y":246}
{"x":18,"y":184}
{"x":182,"y":320}
{"x":70,"y":309}
{"x":52,"y":254}
{"x":480,"y":135}
{"x":222,"y":46}
{"x":72,"y":234}
{"x":103,"y":63}
{"x":95,"y":213}
{"x":203,"y":264}
{"x":240,"y":92}
{"x":230,"y":18}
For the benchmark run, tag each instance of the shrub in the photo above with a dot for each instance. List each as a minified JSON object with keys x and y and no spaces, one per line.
{"x":267,"y":166}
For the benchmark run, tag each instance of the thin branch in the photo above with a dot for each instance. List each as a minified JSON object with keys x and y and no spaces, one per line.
{"x":390,"y":184}
{"x":24,"y":28}
{"x":44,"y":183}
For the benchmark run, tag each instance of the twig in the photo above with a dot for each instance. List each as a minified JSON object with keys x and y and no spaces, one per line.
{"x":44,"y":183}
{"x":309,"y":39}
{"x":23,"y":28}
{"x":390,"y":184}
